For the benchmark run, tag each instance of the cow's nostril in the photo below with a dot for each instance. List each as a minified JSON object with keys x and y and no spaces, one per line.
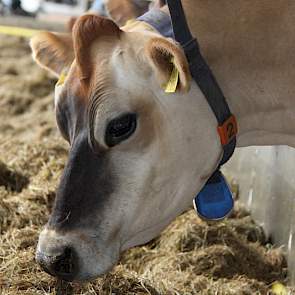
{"x":62,"y":266}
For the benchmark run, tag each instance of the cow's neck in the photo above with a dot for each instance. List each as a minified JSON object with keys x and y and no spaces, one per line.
{"x":263,"y":119}
{"x":249,"y":49}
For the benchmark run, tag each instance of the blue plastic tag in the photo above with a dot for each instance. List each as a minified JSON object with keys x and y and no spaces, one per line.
{"x":215,"y":200}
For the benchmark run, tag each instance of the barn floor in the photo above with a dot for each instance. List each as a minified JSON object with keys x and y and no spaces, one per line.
{"x":190,"y":257}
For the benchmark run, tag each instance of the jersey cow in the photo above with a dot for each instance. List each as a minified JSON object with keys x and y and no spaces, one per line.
{"x":139,"y":155}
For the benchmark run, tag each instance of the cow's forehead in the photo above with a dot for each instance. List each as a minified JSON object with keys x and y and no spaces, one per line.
{"x":79,"y":97}
{"x":107,"y":57}
{"x":111,"y":66}
{"x":83,"y":88}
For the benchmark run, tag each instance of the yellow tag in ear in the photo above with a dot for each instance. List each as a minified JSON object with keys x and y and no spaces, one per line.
{"x":61,"y":79}
{"x":171,"y":85}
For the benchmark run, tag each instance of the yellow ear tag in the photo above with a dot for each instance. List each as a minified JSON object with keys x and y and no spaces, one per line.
{"x":171,"y":85}
{"x":61,"y":79}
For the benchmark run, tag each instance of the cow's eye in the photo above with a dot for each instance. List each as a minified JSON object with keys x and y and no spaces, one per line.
{"x":120,"y":128}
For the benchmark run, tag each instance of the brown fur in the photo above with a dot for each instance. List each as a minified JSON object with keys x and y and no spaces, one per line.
{"x":124,"y":10}
{"x":87,"y":29}
{"x":53,"y":51}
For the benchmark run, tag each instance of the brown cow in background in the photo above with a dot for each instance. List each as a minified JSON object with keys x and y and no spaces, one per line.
{"x":123,"y":10}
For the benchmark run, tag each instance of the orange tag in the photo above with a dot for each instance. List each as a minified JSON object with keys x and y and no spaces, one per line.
{"x":228,"y":130}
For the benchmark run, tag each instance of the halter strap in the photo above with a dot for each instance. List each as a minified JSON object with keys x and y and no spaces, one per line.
{"x":203,"y":76}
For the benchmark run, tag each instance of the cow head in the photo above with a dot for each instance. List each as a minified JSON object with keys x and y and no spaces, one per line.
{"x":137,"y":154}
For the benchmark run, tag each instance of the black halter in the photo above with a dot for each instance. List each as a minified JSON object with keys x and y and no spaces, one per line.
{"x":214,"y":201}
{"x":200,"y":71}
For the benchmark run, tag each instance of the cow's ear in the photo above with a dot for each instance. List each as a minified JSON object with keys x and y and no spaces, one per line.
{"x":53,"y":51}
{"x":167,"y":58}
{"x":87,"y":29}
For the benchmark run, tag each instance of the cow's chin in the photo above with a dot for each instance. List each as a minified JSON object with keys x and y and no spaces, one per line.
{"x":90,"y":258}
{"x":145,"y":235}
{"x":93,"y":264}
{"x":93,"y":271}
{"x":85,"y":276}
